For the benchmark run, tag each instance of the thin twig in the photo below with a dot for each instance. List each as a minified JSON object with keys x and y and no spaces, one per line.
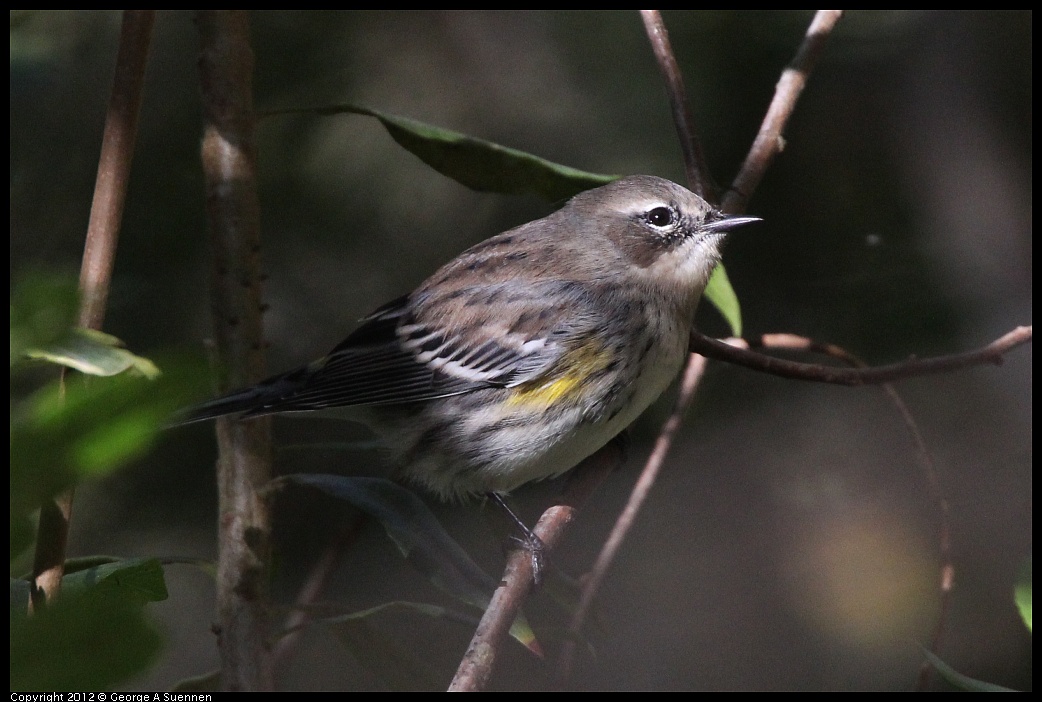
{"x":99,"y":255}
{"x":769,"y":141}
{"x":313,"y":586}
{"x":244,"y":462}
{"x":731,"y":352}
{"x":689,"y":384}
{"x":117,"y":153}
{"x":944,"y":540}
{"x":925,"y":460}
{"x":699,"y":179}
{"x":478,"y":662}
{"x":757,"y":162}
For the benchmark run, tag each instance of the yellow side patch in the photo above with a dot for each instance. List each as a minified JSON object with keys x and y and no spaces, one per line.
{"x":565,"y":385}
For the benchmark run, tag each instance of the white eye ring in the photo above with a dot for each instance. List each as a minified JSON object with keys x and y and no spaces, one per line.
{"x":661,"y":217}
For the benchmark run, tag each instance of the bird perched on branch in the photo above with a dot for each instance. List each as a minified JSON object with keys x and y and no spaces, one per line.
{"x":526,"y":353}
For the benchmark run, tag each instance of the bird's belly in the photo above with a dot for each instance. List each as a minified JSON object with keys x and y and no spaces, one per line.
{"x":476,"y":443}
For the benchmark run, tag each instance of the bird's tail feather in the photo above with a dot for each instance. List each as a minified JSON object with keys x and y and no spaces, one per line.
{"x":248,"y":402}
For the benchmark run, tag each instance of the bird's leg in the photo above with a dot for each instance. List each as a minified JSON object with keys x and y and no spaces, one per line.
{"x":528,"y":540}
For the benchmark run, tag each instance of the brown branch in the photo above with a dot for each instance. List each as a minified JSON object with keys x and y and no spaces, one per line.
{"x":478,"y":662}
{"x":699,"y":179}
{"x":99,"y":254}
{"x":944,"y":546}
{"x":756,"y":163}
{"x":925,"y":460}
{"x":244,"y":463}
{"x":731,"y":352}
{"x":769,"y":141}
{"x":117,"y":153}
{"x":310,"y":591}
{"x":688,"y":385}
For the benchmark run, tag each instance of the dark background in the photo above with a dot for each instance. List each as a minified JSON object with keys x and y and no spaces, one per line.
{"x":792,"y":542}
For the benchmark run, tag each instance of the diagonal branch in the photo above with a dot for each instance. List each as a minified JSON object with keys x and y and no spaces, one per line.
{"x":478,"y":662}
{"x":99,"y":255}
{"x":769,"y":141}
{"x":756,"y":163}
{"x":693,"y":373}
{"x":947,"y":566}
{"x":699,"y":179}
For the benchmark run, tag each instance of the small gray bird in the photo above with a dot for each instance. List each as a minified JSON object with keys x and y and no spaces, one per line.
{"x":526,"y":353}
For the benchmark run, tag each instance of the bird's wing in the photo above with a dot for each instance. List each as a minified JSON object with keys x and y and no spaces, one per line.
{"x":406,"y":351}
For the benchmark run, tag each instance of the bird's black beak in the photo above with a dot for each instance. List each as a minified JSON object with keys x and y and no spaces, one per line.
{"x":727,"y":222}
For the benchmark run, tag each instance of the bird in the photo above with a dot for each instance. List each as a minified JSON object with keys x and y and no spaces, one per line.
{"x":526,"y":353}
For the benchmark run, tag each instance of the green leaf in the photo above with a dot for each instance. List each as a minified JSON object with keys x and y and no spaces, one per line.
{"x":419,"y":536}
{"x":413,"y":528}
{"x":136,"y":580}
{"x":489,"y":167}
{"x":722,"y":296}
{"x":83,"y":642}
{"x":94,"y":427}
{"x":397,"y":666}
{"x":43,"y":309}
{"x":1022,"y":592}
{"x":94,"y":353}
{"x":478,"y":164}
{"x":961,"y":681}
{"x":43,"y":315}
{"x":95,"y":635}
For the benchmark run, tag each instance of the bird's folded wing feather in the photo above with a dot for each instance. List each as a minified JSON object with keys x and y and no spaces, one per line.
{"x":405,"y":352}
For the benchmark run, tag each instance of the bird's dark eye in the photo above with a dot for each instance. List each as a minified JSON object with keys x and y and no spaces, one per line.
{"x":660,"y":217}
